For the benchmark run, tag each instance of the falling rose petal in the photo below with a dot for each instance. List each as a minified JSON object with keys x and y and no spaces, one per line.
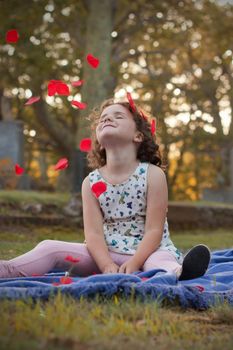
{"x":32,"y":100}
{"x":52,"y":88}
{"x":131,"y":102}
{"x":80,"y":105}
{"x":98,"y":188}
{"x":58,"y":87}
{"x":66,"y":280}
{"x":71,"y":259}
{"x":12,"y":36}
{"x":153,"y":126}
{"x":63,"y":89}
{"x":61,"y":164}
{"x":18,"y":170}
{"x":143,"y":115}
{"x":93,"y":61}
{"x":77,"y":83}
{"x":85,"y":145}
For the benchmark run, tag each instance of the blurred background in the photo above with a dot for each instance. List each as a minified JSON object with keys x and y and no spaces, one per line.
{"x":175,"y":57}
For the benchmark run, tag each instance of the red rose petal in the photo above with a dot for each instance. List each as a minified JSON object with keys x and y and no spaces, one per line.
{"x":131,"y":102}
{"x":71,"y":259}
{"x":85,"y":145}
{"x":61,"y":164}
{"x":52,"y":88}
{"x":66,"y":280}
{"x":98,"y":188}
{"x":18,"y":170}
{"x":63,"y":89}
{"x":58,"y":87}
{"x":93,"y":61}
{"x":143,"y":115}
{"x":32,"y":100}
{"x":77,"y":83}
{"x":80,"y":105}
{"x":153,"y":126}
{"x":12,"y":36}
{"x":201,"y":289}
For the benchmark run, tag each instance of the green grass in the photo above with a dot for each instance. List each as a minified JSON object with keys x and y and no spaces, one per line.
{"x":109,"y":324}
{"x":65,"y":323}
{"x":34,"y":196}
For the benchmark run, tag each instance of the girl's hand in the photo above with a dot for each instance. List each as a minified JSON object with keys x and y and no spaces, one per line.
{"x":129,"y":266}
{"x":111,"y":268}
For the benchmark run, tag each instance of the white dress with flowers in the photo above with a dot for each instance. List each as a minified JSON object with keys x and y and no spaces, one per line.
{"x":123,"y":207}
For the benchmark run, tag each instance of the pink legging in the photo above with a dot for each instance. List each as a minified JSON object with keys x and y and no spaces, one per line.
{"x":51,"y":254}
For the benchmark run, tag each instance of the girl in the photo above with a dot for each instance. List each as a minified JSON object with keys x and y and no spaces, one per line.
{"x":124,"y":207}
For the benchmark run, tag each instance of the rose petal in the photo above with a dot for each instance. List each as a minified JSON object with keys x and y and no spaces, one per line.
{"x":200,"y":288}
{"x":77,"y":83}
{"x":143,"y":115}
{"x":12,"y":36}
{"x":98,"y":188}
{"x":80,"y":105}
{"x":32,"y":100}
{"x":58,"y":87}
{"x":18,"y":170}
{"x":61,"y":164}
{"x":153,"y":126}
{"x":93,"y":61}
{"x":85,"y":145}
{"x":131,"y":101}
{"x":52,"y":88}
{"x":66,"y":280}
{"x":63,"y":89}
{"x":71,"y":259}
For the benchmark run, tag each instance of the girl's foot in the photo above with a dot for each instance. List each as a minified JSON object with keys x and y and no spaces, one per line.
{"x":195,"y":263}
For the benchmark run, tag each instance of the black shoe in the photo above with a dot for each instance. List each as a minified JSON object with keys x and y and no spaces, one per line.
{"x":195,"y":263}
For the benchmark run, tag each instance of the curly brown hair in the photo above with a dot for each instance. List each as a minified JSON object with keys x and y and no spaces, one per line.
{"x":148,"y":150}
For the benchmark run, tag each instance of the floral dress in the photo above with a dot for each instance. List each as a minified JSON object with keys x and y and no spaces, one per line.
{"x":123,"y":207}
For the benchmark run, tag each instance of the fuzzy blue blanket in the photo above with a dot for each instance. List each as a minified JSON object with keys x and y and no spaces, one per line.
{"x":200,"y":293}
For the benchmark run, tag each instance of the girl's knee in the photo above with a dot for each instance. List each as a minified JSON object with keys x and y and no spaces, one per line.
{"x":46,"y":242}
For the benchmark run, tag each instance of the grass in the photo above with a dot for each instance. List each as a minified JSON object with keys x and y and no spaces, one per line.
{"x":34,"y":196}
{"x":63,"y":322}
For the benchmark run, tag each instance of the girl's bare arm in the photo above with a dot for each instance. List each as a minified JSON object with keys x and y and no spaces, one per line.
{"x":93,"y":227}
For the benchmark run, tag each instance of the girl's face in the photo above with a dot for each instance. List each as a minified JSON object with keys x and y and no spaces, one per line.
{"x":116,"y":123}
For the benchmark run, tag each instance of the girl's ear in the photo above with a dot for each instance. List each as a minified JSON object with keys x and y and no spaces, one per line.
{"x":139,"y":136}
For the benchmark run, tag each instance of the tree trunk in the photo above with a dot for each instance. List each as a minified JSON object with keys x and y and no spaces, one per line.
{"x":97,"y":82}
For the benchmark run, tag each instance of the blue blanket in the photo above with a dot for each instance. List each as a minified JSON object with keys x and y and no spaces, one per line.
{"x":200,"y":293}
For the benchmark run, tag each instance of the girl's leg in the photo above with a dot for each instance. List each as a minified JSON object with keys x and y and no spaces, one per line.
{"x":51,"y":254}
{"x":48,"y":255}
{"x":162,"y":259}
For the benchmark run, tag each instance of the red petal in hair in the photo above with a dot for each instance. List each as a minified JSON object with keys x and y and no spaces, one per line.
{"x":85,"y":145}
{"x":61,"y":164}
{"x":143,"y":115}
{"x":93,"y":61}
{"x":98,"y":188}
{"x":131,"y":101}
{"x":153,"y":126}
